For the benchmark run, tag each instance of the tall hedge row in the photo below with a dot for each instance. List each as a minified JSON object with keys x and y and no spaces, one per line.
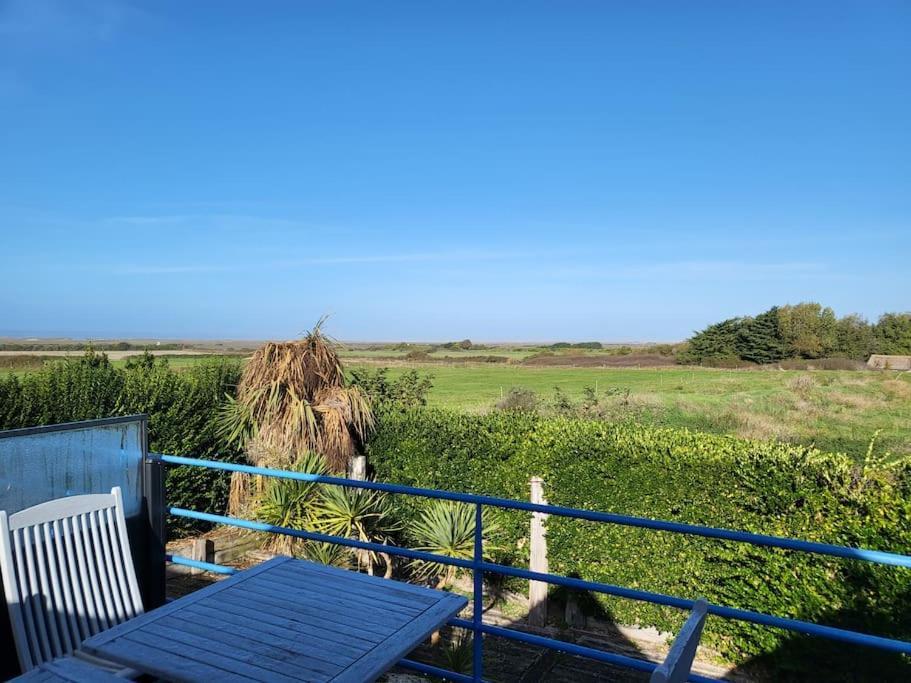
{"x":690,"y":477}
{"x":181,"y":407}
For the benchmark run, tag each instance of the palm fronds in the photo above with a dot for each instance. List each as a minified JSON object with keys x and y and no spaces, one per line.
{"x":292,"y":397}
{"x":360,"y":514}
{"x":446,"y":527}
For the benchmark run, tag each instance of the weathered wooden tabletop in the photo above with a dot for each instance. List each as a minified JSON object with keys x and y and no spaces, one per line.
{"x":284,"y":620}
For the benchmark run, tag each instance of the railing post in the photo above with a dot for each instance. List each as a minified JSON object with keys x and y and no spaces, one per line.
{"x":537,"y":562}
{"x":477,"y":638}
{"x":153,"y":494}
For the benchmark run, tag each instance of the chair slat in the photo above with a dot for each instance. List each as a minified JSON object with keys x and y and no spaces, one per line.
{"x":59,"y":616}
{"x":123,"y":541}
{"x":115,"y":562}
{"x":34,"y":600}
{"x":90,"y":540}
{"x":115,"y":606}
{"x":104,"y":580}
{"x":71,"y":581}
{"x":86,"y":573}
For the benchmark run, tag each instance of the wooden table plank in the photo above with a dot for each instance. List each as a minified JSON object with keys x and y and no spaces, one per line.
{"x":295,"y":620}
{"x":298,"y":575}
{"x":340,"y":607}
{"x":239,"y":627}
{"x":285,"y":620}
{"x":345,"y":592}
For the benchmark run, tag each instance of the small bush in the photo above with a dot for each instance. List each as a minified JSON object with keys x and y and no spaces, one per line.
{"x":520,"y":400}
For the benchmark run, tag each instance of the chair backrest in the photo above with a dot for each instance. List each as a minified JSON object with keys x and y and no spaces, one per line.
{"x":67,"y":573}
{"x":676,"y":666}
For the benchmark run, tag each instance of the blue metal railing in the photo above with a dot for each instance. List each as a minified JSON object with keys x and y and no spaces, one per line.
{"x":479,"y":566}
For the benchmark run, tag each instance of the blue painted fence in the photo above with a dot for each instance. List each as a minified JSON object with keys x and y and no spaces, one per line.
{"x":478,"y":566}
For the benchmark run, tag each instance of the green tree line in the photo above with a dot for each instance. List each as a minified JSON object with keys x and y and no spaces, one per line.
{"x":805,"y":330}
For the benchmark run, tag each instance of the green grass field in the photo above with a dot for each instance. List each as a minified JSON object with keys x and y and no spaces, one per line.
{"x":835,"y":410}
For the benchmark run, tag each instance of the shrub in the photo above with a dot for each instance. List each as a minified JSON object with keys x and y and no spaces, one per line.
{"x":519,"y":399}
{"x":679,"y":475}
{"x":181,"y":407}
{"x":408,"y":390}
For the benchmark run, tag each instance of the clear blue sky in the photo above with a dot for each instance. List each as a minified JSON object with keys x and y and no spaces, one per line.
{"x":429,"y":170}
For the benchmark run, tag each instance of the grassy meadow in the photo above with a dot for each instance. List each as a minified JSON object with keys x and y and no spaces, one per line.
{"x":839,"y":410}
{"x":835,"y":410}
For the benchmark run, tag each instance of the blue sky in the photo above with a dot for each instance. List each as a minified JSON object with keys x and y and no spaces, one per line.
{"x":431,"y":171}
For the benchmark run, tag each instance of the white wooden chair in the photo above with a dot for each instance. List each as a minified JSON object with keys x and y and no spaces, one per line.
{"x":676,"y":666}
{"x":67,"y":575}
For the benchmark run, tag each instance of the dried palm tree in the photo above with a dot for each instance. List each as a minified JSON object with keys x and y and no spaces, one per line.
{"x":292,"y":399}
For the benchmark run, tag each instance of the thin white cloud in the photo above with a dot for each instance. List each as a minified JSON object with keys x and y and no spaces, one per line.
{"x":290,"y":264}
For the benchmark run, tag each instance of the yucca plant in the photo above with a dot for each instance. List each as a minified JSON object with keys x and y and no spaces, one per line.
{"x":361,"y":514}
{"x":446,"y":527}
{"x":329,"y":554}
{"x":291,"y":503}
{"x":457,"y":653}
{"x":293,"y":398}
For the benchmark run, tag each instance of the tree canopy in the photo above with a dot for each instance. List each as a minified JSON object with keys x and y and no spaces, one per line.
{"x":805,"y":330}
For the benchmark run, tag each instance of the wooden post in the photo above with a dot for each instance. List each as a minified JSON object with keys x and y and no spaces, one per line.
{"x":202,"y":550}
{"x":359,"y":467}
{"x":537,"y":590}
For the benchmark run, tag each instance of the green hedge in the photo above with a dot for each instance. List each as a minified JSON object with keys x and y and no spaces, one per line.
{"x":689,"y":477}
{"x":181,"y":407}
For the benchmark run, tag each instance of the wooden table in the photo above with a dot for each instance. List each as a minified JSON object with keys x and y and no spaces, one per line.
{"x":284,"y":620}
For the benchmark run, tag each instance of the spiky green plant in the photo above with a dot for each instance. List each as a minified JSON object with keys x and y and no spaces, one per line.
{"x":446,"y":527}
{"x":329,"y":554}
{"x":292,"y":503}
{"x":457,"y":653}
{"x":361,"y":514}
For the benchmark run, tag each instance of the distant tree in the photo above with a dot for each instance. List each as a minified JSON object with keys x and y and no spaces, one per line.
{"x":892,"y":334}
{"x":759,"y":339}
{"x":853,"y":338}
{"x":715,"y":342}
{"x":808,"y":329}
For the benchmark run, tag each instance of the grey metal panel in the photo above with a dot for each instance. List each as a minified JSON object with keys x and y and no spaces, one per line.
{"x":39,"y":464}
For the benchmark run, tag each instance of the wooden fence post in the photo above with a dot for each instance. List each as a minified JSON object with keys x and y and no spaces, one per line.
{"x":203,"y":550}
{"x":537,"y":590}
{"x":359,"y":467}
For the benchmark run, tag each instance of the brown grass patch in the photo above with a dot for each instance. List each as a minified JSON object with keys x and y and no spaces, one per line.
{"x":856,"y":401}
{"x":753,"y":425}
{"x":897,"y":389}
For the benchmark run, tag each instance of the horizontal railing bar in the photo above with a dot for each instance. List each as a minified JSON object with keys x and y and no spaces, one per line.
{"x":809,"y":628}
{"x":572,"y":648}
{"x":324,"y":538}
{"x":864,"y":554}
{"x":434,"y":671}
{"x":806,"y":627}
{"x":198,"y":564}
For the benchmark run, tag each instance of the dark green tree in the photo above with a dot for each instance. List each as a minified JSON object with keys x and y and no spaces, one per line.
{"x":715,"y":343}
{"x":893,"y":334}
{"x":759,"y":340}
